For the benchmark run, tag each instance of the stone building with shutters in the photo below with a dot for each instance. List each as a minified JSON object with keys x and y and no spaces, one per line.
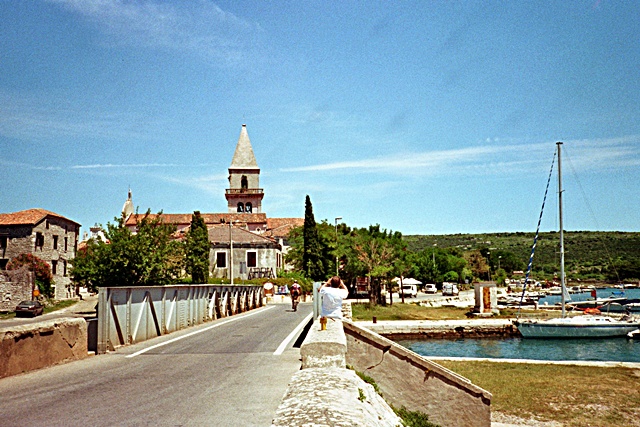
{"x":47,"y":235}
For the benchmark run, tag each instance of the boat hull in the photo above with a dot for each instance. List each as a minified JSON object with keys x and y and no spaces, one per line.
{"x":570,"y":328}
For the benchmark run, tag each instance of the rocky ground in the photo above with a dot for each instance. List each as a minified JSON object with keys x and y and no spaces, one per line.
{"x":503,"y":420}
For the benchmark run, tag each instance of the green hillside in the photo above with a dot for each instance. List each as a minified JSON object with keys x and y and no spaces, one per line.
{"x":588,"y":254}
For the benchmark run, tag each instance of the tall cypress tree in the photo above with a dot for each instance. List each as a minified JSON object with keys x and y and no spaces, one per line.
{"x":312,"y":252}
{"x":197,"y":249}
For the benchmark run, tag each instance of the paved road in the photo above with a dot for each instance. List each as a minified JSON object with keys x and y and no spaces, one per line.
{"x":230,"y":372}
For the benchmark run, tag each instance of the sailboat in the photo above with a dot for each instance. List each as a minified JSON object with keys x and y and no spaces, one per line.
{"x":583,"y":326}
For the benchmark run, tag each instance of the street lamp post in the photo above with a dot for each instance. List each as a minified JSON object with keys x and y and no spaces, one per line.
{"x":339,"y":218}
{"x":231,"y":252}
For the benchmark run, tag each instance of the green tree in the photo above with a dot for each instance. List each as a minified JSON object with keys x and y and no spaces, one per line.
{"x":500,"y":276}
{"x":312,"y":251}
{"x":451,"y":276}
{"x":373,"y":252}
{"x":197,"y":250}
{"x":84,"y":268}
{"x":477,"y":263}
{"x":148,"y":257}
{"x":425,"y":265}
{"x":40,"y":268}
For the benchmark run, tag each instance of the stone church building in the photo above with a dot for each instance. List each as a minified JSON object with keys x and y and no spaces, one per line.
{"x":245,"y":243}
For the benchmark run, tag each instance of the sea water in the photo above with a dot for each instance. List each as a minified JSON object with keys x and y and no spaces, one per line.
{"x":596,"y":349}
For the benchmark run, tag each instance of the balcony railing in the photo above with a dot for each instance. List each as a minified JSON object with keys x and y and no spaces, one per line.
{"x":244,"y":191}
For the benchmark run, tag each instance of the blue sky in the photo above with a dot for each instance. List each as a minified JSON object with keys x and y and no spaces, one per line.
{"x":426,"y":117}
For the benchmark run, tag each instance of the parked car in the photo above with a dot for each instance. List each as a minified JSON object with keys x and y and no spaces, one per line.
{"x":32,"y":308}
{"x":450,"y":289}
{"x":410,"y":291}
{"x":430,"y":288}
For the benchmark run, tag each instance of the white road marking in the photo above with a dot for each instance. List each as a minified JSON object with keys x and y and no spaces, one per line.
{"x":137,"y":353}
{"x":286,"y":341}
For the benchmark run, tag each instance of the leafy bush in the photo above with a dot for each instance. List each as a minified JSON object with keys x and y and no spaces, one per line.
{"x":41,"y":269}
{"x":414,"y":418}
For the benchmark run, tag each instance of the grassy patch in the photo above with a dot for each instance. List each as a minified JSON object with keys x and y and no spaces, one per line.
{"x":8,"y":315}
{"x":398,"y":311}
{"x":414,"y":418}
{"x":406,"y":312}
{"x":49,"y":308}
{"x":59,"y":305}
{"x":572,"y":395}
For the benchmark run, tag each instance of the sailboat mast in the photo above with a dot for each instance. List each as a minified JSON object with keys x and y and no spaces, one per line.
{"x":562,"y":278}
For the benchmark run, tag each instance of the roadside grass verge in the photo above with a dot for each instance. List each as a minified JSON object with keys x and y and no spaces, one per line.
{"x":572,"y":395}
{"x":49,"y":308}
{"x":365,"y":311}
{"x":58,"y":305}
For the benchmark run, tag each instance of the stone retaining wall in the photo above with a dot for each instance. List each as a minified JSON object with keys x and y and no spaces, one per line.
{"x":415,"y":329}
{"x":15,"y":286}
{"x":408,"y":379}
{"x":39,"y":345}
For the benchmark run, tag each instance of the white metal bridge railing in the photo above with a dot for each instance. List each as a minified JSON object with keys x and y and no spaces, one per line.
{"x":128,"y":315}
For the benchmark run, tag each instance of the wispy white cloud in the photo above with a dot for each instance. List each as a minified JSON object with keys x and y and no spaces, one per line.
{"x":127,"y":166}
{"x":199,"y":27}
{"x":596,"y":154}
{"x":28,"y":166}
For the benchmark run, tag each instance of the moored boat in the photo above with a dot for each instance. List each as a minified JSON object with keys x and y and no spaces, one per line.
{"x":582,"y":326}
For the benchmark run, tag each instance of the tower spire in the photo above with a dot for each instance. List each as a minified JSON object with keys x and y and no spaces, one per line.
{"x":127,"y":208}
{"x":244,"y":194}
{"x":243,"y":156}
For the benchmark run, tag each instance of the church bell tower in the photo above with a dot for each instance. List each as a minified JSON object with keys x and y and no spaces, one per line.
{"x":244,"y":194}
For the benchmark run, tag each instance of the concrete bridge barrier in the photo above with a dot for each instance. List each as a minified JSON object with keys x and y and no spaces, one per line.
{"x":128,"y":315}
{"x":42,"y":344}
{"x":407,"y":379}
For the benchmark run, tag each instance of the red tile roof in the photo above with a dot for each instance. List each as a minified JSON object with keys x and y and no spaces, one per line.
{"x":29,"y":217}
{"x":209,"y":218}
{"x":220,"y":234}
{"x":280,"y":227}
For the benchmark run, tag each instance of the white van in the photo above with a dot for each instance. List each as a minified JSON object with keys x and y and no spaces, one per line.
{"x":430,"y":288}
{"x":410,"y":291}
{"x":450,"y":289}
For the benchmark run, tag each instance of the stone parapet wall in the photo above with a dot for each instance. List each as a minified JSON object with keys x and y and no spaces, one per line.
{"x":408,"y":379}
{"x":332,"y":397}
{"x":325,"y":393}
{"x":324,"y":349}
{"x":39,"y":345}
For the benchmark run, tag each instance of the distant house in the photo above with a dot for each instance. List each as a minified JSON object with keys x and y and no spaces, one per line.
{"x":47,"y":235}
{"x":250,"y":255}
